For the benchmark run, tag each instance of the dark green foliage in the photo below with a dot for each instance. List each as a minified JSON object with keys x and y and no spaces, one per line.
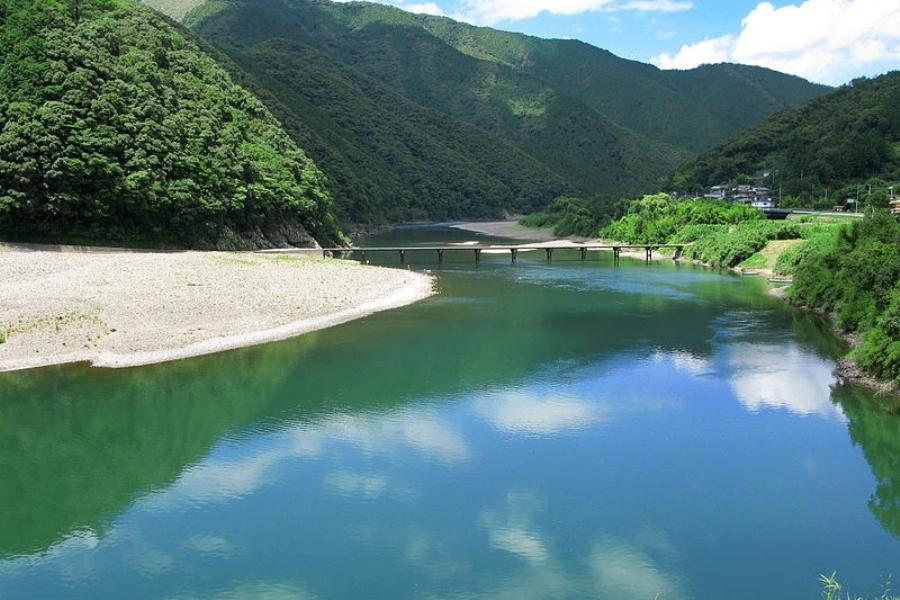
{"x":822,"y":148}
{"x":657,"y":219}
{"x":575,"y":216}
{"x":432,"y":86}
{"x":115,"y":127}
{"x":730,"y":246}
{"x":818,"y":238}
{"x":711,"y":103}
{"x":721,"y":234}
{"x":461,"y":137}
{"x":874,"y":427}
{"x":391,"y":160}
{"x":857,"y":278}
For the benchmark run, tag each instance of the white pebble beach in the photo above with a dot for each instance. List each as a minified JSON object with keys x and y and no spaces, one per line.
{"x":124,"y":308}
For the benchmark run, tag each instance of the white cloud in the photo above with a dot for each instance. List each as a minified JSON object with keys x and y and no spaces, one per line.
{"x":348,"y":483}
{"x":775,"y":376}
{"x":494,"y":11}
{"x":623,"y":570}
{"x":519,"y":541}
{"x":524,"y":414}
{"x":822,"y":40}
{"x":511,"y":528}
{"x":425,"y":8}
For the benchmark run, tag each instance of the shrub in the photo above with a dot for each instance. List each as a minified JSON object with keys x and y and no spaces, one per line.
{"x":575,"y":216}
{"x":729,"y":247}
{"x":657,"y":219}
{"x":856,"y":276}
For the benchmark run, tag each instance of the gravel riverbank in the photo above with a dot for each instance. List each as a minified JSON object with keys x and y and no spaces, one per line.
{"x":126,"y":308}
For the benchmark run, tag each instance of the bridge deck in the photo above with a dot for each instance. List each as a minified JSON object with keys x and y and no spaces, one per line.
{"x":513,"y":250}
{"x":507,"y":248}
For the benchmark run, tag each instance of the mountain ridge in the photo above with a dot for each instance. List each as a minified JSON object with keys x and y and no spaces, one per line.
{"x":550,"y":117}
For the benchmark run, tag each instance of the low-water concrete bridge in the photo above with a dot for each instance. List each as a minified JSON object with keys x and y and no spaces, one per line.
{"x":478,"y":250}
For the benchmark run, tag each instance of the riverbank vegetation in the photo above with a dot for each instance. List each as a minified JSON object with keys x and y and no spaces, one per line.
{"x":569,"y":216}
{"x":118,"y":128}
{"x":834,"y":590}
{"x":854,"y":276}
{"x":721,"y":234}
{"x":850,"y":271}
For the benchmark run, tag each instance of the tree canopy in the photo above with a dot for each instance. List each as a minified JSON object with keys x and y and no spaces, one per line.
{"x":116,"y":127}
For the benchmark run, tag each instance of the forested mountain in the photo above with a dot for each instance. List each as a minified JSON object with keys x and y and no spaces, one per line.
{"x":844,"y":138}
{"x":115,"y":126}
{"x":569,"y":116}
{"x":389,"y":159}
{"x":691,"y":109}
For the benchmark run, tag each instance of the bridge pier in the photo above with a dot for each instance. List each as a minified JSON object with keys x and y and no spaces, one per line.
{"x":584,"y":250}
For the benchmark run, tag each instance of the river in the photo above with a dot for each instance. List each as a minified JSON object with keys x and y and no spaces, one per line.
{"x":534,"y":431}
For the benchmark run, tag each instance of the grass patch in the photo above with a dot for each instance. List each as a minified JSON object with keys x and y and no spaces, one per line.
{"x":833,"y":590}
{"x":757,"y":261}
{"x":768,"y":257}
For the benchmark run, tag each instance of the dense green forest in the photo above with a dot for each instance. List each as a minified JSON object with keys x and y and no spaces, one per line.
{"x":820,"y":151}
{"x":116,"y":127}
{"x":568,"y":216}
{"x":472,"y":122}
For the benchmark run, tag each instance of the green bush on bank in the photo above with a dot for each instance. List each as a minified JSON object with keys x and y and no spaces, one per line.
{"x":575,"y":216}
{"x":656,"y":219}
{"x":720,"y":233}
{"x":856,"y":277}
{"x":738,"y":243}
{"x":817,"y":238}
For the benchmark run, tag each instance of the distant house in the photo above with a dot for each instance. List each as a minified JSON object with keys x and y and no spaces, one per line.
{"x":717,"y":192}
{"x":760,"y":197}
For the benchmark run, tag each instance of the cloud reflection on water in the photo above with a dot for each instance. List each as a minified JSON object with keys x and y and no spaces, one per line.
{"x":782,"y":376}
{"x":535,"y":414}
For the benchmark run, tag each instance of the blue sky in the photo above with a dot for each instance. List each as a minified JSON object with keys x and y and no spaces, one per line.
{"x":830,"y":41}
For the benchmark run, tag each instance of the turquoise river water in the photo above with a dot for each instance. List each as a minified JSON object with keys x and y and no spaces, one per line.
{"x":534,"y":431}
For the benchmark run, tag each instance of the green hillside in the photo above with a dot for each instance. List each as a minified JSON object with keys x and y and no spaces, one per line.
{"x":847,"y":137}
{"x":389,"y":159}
{"x":548,"y":137}
{"x":510,"y":121}
{"x":691,"y":110}
{"x":116,"y":127}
